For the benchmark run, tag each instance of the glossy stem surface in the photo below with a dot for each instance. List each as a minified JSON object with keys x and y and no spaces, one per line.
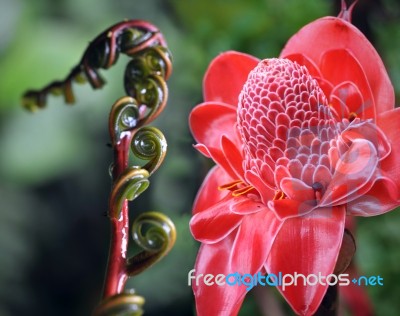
{"x":116,"y":275}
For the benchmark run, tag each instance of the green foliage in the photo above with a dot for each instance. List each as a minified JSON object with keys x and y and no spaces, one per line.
{"x":256,"y":26}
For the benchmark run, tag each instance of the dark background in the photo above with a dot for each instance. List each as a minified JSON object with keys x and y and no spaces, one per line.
{"x":54,"y":181}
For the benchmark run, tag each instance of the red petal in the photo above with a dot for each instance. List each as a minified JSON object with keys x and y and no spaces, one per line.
{"x":307,"y":245}
{"x":389,"y":124}
{"x":203,"y":150}
{"x":253,"y":242}
{"x":221,"y":159}
{"x":245,"y":255}
{"x":288,"y":208}
{"x":305,"y":61}
{"x":371,"y":132}
{"x":218,"y":156}
{"x":264,"y":189}
{"x":213,"y":299}
{"x":353,"y":171}
{"x":280,"y":173}
{"x":297,"y":190}
{"x":208,"y":193}
{"x":381,"y":198}
{"x":216,"y":222}
{"x":209,"y":121}
{"x":345,"y":98}
{"x":226,"y":76}
{"x":247,"y":206}
{"x":338,"y":108}
{"x":339,"y":66}
{"x":234,"y":156}
{"x":329,"y":33}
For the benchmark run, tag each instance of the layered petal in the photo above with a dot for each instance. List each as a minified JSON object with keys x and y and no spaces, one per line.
{"x":288,"y":208}
{"x":332,"y":33}
{"x":381,"y":198}
{"x":220,"y":157}
{"x":213,"y":126}
{"x":297,"y":190}
{"x":263,"y":188}
{"x":349,"y":71}
{"x":307,"y":245}
{"x":389,"y":124}
{"x":369,"y":131}
{"x":216,"y":222}
{"x":226,"y":76}
{"x":230,"y":256}
{"x":250,"y":259}
{"x":208,"y":194}
{"x":214,"y":299}
{"x":347,"y":98}
{"x":248,"y":206}
{"x":210,"y":120}
{"x":352,"y":172}
{"x":303,"y":60}
{"x":233,"y":155}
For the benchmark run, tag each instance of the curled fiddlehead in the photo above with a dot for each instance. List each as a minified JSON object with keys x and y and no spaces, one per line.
{"x":128,"y":37}
{"x":148,"y":143}
{"x":123,"y":304}
{"x":124,"y":116}
{"x":156,"y":242}
{"x":144,"y":82}
{"x":129,"y":185}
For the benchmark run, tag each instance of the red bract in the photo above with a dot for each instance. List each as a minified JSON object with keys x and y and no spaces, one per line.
{"x":299,"y":142}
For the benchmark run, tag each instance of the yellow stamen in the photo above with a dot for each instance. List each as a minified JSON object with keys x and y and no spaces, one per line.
{"x":238,"y":187}
{"x":279,"y":195}
{"x":242,"y":191}
{"x":230,"y":185}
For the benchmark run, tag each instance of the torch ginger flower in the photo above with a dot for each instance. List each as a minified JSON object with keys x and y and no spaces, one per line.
{"x":300,"y":142}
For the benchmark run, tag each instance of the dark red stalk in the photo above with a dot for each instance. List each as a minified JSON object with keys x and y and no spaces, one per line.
{"x":147,"y":91}
{"x":329,"y":305}
{"x":116,"y":275}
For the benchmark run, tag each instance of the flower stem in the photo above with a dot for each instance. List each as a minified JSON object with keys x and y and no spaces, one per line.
{"x":116,"y":275}
{"x":330,"y":303}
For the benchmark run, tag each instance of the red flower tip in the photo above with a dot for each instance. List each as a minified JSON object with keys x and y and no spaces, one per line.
{"x":345,"y":13}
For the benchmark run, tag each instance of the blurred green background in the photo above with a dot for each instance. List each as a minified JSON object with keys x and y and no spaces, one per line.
{"x":54,"y":181}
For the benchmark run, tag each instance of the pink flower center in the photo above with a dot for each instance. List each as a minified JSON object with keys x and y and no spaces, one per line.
{"x":287,"y":128}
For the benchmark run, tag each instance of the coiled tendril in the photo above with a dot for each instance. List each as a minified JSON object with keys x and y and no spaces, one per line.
{"x":128,"y":37}
{"x":144,"y":82}
{"x":124,"y":116}
{"x":130,"y":184}
{"x":149,"y":143}
{"x":158,"y":239}
{"x":123,"y":304}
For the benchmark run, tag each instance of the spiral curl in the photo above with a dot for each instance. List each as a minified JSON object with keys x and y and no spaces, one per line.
{"x":128,"y":186}
{"x":148,"y":143}
{"x":156,"y":242}
{"x":124,"y":116}
{"x":123,"y":304}
{"x":128,"y":37}
{"x":144,"y":82}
